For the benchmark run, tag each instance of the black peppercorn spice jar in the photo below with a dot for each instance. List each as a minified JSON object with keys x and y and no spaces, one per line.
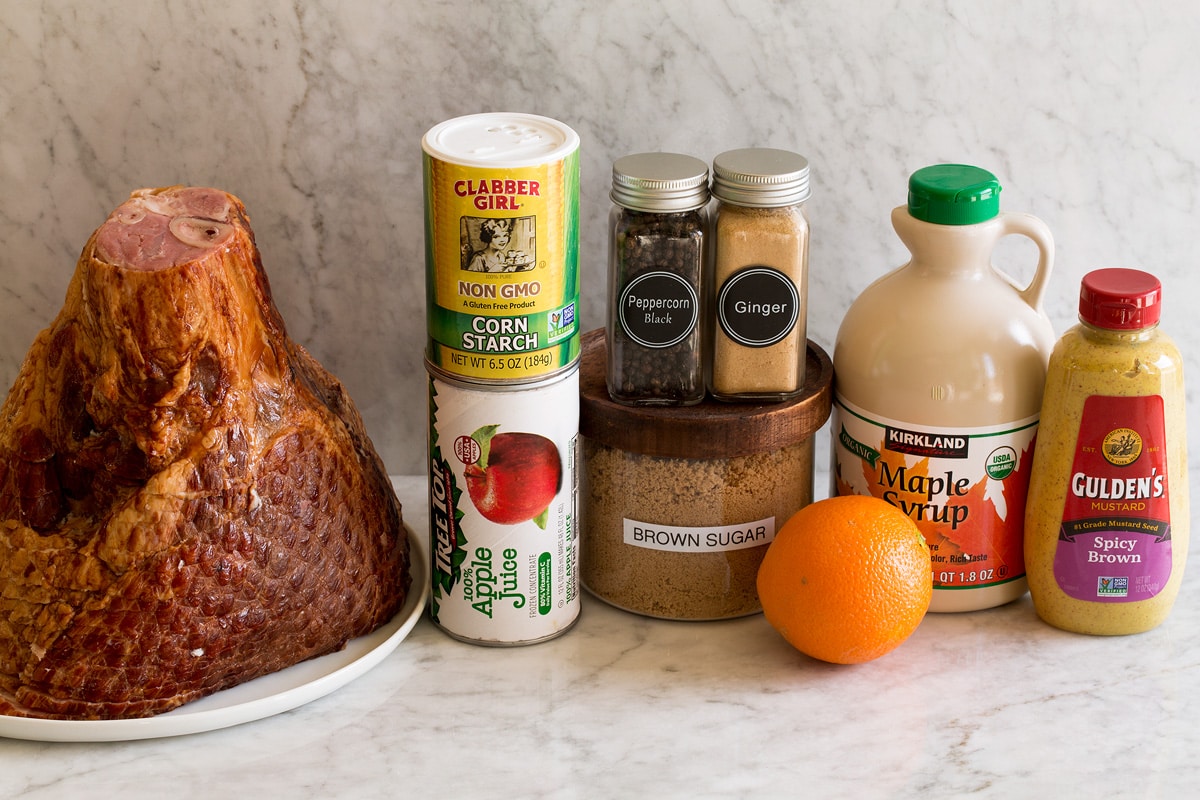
{"x":658,"y":242}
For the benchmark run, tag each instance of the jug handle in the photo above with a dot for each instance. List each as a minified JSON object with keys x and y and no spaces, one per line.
{"x":1032,"y":228}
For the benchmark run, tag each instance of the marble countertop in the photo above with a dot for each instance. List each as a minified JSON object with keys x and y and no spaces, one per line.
{"x":991,"y":704}
{"x":312,"y":112}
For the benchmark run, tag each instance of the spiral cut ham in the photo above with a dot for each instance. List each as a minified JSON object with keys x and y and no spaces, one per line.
{"x":188,"y":500}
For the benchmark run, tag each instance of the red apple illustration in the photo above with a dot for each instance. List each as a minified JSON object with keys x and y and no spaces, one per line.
{"x":516,"y":476}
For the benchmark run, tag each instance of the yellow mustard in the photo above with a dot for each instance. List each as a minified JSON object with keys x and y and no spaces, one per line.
{"x":1107,"y":515}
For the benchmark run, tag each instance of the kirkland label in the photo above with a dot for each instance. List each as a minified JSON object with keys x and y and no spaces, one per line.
{"x":964,"y":487}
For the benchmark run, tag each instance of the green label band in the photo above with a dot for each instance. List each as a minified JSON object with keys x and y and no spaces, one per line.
{"x":494,"y":335}
{"x":545,"y":584}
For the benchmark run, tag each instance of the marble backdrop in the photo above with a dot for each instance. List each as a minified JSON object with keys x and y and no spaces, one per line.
{"x":313,"y":111}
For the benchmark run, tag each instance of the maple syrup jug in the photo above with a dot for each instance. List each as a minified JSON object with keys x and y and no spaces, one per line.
{"x":939,"y":371}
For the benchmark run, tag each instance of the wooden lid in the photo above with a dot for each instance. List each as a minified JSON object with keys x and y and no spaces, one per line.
{"x":709,"y":430}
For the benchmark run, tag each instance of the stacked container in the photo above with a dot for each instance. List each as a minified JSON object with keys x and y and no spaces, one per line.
{"x":501,"y":252}
{"x":683,"y":489}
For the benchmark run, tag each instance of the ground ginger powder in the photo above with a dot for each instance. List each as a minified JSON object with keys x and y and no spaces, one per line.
{"x":774,"y":238}
{"x":758,"y":289}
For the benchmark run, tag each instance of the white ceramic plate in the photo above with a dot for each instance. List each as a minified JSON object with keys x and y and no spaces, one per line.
{"x":262,"y":697}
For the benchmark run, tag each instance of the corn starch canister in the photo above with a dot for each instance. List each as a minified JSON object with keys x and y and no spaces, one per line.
{"x":501,"y":246}
{"x":502,"y":497}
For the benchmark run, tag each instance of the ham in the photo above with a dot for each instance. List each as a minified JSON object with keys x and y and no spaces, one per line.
{"x":188,"y":499}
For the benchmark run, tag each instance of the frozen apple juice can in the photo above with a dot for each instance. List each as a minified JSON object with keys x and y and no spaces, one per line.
{"x":502,"y":246}
{"x":503,"y":488}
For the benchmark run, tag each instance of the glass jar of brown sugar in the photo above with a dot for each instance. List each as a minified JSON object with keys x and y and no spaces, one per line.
{"x":759,"y":284}
{"x":678,"y":505}
{"x":658,"y":236}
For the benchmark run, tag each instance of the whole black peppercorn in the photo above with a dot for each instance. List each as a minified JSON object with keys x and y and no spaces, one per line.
{"x":658,"y":246}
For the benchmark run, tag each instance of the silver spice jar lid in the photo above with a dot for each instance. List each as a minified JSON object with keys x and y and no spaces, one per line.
{"x":660,"y":182}
{"x":760,"y":177}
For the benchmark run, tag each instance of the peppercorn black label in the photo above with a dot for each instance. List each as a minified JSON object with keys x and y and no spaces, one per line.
{"x":758,"y":306}
{"x":658,"y":309}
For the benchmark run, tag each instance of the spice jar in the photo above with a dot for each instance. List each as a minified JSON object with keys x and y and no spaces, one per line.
{"x":658,"y":229}
{"x":759,"y":284}
{"x":679,"y":505}
{"x":1108,"y":514}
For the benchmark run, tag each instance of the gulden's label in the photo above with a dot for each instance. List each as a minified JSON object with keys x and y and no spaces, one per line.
{"x":1115,"y":541}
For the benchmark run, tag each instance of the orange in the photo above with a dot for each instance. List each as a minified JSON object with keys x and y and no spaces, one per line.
{"x":847,"y":579}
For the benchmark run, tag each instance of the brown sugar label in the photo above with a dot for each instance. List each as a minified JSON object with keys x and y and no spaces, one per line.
{"x":699,"y":539}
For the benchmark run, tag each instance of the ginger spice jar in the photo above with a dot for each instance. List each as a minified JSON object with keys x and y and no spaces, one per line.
{"x":757,"y":288}
{"x":679,"y":504}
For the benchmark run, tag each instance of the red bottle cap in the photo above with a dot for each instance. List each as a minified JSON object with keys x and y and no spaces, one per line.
{"x":1120,"y":299}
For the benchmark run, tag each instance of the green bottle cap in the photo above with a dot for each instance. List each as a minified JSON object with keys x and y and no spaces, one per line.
{"x":953,"y":194}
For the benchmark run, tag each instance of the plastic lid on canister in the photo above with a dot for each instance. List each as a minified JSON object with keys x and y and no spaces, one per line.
{"x":953,"y":194}
{"x":659,"y":182}
{"x":500,"y":139}
{"x":760,"y":177}
{"x":1120,"y":299}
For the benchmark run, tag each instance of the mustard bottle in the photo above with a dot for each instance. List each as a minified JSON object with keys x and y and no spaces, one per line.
{"x":939,"y":369}
{"x":1107,"y":518}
